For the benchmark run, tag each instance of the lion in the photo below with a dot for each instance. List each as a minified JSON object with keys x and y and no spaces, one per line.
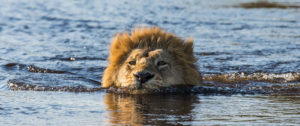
{"x":150,"y":59}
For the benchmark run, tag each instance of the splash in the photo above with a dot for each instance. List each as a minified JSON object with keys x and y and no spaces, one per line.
{"x":256,"y":83}
{"x":233,"y":78}
{"x":18,"y":85}
{"x":42,"y":79}
{"x":213,"y":84}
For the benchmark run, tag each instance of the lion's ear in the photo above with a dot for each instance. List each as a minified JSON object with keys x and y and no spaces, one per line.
{"x":121,"y":45}
{"x":189,"y":46}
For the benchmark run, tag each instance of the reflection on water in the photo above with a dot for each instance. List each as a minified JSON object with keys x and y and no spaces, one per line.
{"x":101,"y":108}
{"x":196,"y":110}
{"x":150,"y":109}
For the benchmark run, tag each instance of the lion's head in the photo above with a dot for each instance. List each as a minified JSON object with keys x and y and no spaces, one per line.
{"x":150,"y":59}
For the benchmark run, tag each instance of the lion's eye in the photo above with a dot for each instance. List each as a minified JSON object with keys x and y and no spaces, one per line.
{"x":160,"y":63}
{"x":131,"y":62}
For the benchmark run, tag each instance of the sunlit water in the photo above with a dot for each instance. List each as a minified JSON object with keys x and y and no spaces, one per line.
{"x":250,"y":60}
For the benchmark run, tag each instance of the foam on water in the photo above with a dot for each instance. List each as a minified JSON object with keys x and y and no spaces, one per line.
{"x":231,"y":83}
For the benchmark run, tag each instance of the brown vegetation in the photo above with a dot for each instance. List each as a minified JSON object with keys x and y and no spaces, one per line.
{"x":266,"y":4}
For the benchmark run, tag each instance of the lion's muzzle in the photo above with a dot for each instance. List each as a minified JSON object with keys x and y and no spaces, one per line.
{"x":142,"y":77}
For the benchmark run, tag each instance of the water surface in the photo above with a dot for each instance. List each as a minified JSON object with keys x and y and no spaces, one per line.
{"x":250,"y":60}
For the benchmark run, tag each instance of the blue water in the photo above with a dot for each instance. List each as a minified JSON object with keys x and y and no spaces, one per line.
{"x":64,"y":45}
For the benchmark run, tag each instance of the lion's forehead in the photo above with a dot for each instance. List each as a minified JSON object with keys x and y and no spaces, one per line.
{"x":143,"y":61}
{"x":144,"y":55}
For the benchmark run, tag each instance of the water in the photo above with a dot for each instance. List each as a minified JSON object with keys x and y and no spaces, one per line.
{"x":250,"y":60}
{"x":100,"y":108}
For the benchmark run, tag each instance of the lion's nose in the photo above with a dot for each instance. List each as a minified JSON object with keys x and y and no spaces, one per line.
{"x":143,"y":76}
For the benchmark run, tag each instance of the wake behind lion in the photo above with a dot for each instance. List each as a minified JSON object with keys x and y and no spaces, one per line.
{"x":150,"y":59}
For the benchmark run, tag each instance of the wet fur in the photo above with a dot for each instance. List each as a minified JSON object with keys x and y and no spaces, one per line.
{"x":179,"y":51}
